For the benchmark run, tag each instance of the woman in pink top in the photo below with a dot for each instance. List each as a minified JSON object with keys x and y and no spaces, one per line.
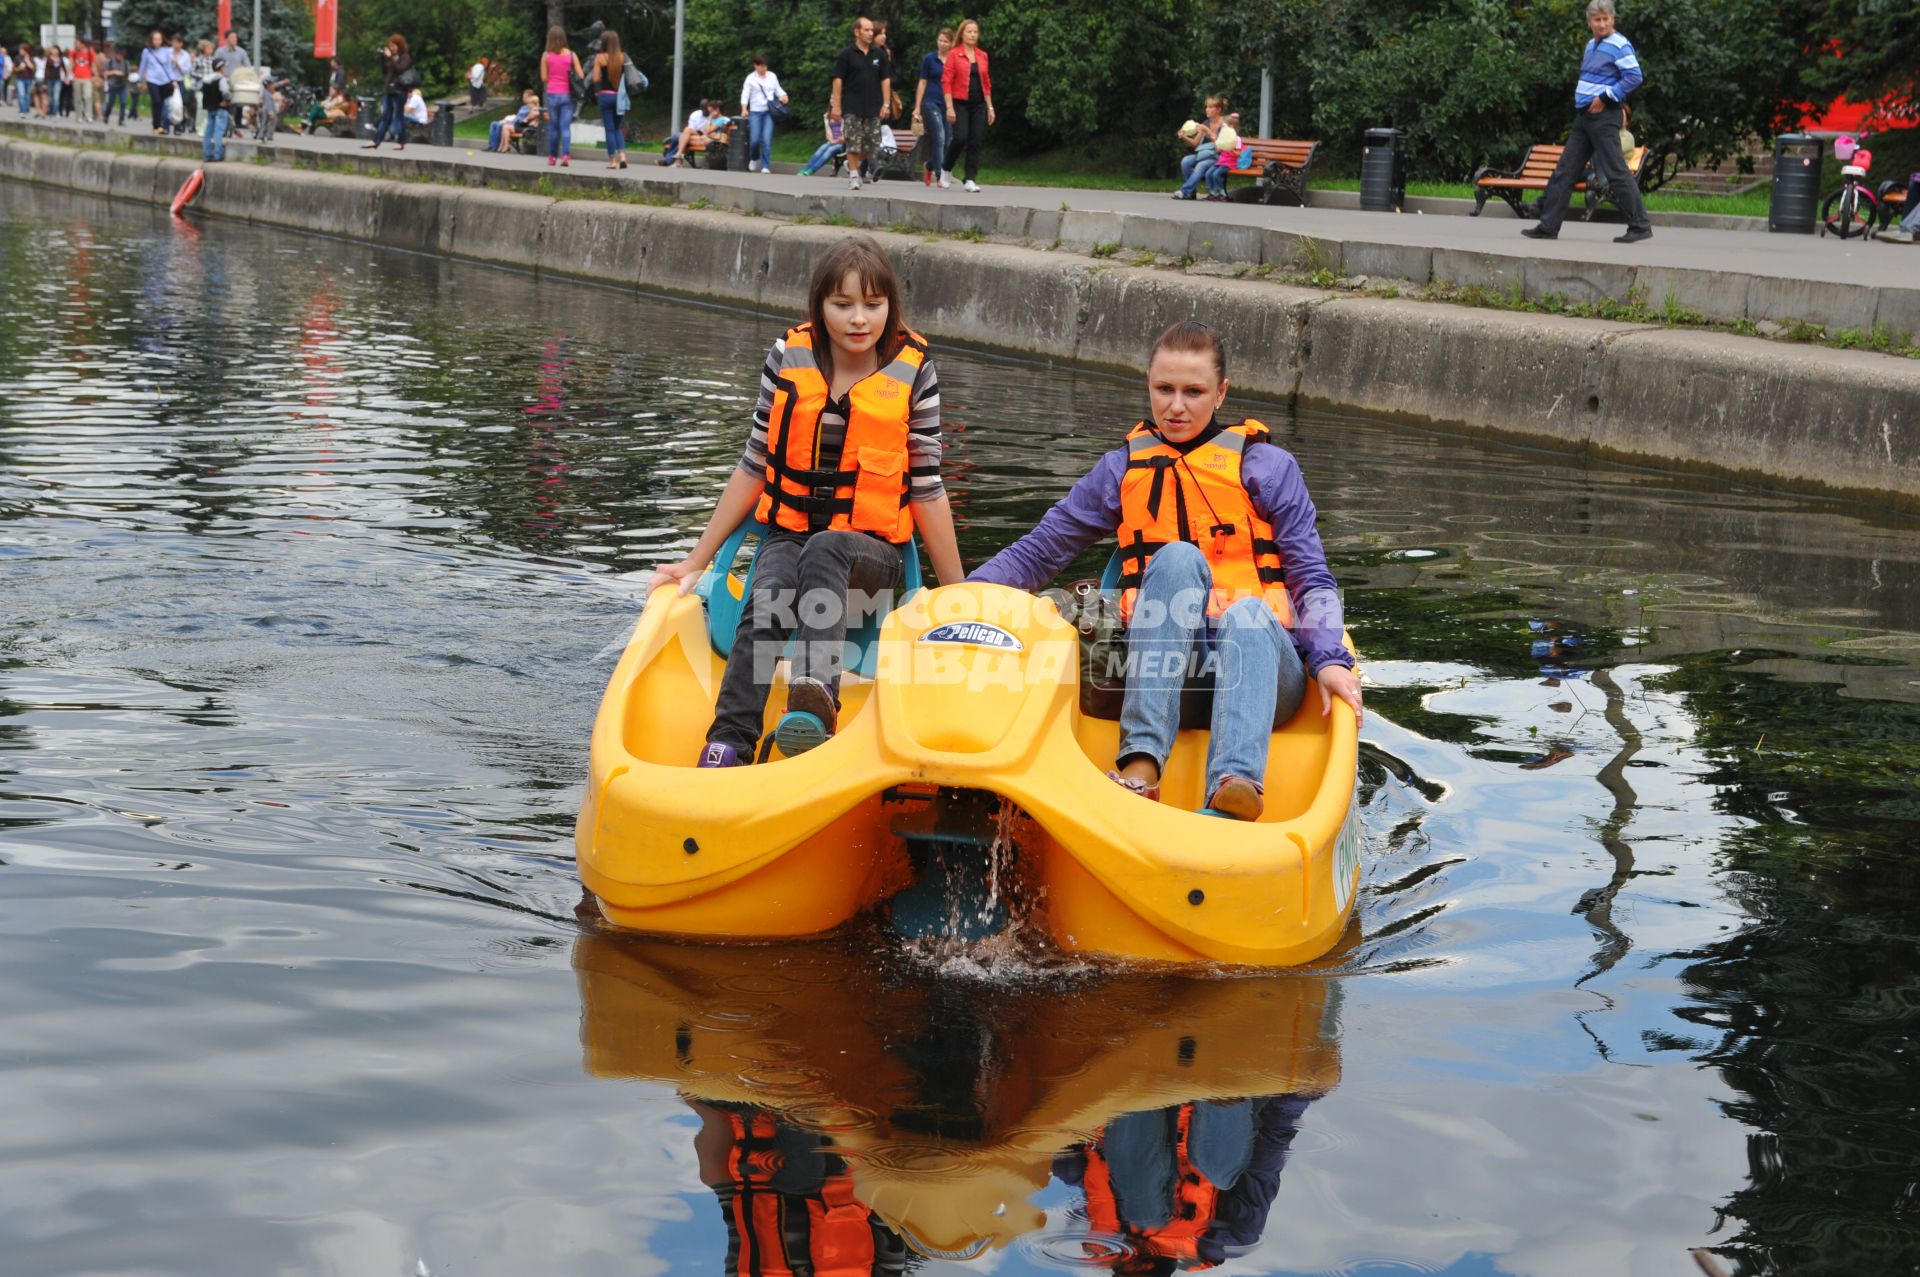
{"x":969,"y":90}
{"x":561,"y":64}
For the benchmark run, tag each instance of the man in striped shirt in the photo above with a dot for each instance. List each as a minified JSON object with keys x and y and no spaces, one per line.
{"x":1608,"y":73}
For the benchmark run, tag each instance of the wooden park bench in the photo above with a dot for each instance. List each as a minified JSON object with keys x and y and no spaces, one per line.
{"x":1282,"y":164}
{"x":1535,"y":171}
{"x":730,"y":135}
{"x":1893,"y":202}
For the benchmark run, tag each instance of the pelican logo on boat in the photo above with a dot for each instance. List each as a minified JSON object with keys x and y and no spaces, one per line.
{"x":973,"y":634}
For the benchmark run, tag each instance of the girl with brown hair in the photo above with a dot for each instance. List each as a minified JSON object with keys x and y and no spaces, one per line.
{"x":609,"y":68}
{"x":559,"y":65}
{"x":842,"y":466}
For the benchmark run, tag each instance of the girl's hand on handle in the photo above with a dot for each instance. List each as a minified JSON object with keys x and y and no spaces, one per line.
{"x":1338,"y":680}
{"x":685,"y":574}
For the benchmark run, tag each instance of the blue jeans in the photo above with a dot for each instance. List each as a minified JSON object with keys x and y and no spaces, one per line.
{"x":493,"y":134}
{"x":610,"y":121}
{"x":1259,"y":672}
{"x":393,"y":116}
{"x":559,"y":125}
{"x":933,"y":127}
{"x":1911,"y":222}
{"x":25,"y":90}
{"x":1197,"y":167}
{"x":760,"y":139}
{"x":117,"y":91}
{"x":214,"y":143}
{"x":823,"y":155}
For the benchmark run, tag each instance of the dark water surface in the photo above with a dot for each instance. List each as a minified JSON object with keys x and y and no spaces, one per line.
{"x":315,"y":560}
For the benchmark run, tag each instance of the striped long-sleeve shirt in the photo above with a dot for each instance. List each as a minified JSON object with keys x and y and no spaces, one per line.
{"x":1608,"y":70}
{"x":923,"y":428}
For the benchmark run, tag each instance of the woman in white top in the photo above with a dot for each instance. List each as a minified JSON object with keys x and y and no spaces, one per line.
{"x":477,"y":83}
{"x":757,"y":96}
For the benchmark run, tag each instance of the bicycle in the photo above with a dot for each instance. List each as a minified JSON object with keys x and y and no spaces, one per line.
{"x":1851,"y":208}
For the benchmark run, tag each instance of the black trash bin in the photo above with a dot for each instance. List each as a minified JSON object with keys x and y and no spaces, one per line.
{"x":737,"y":150}
{"x":1795,"y":203}
{"x":1383,"y":172}
{"x":369,"y":118}
{"x":440,"y":128}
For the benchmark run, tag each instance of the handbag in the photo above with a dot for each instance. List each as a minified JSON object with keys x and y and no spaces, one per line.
{"x":778,"y":111}
{"x":409,"y":79}
{"x":621,"y":102}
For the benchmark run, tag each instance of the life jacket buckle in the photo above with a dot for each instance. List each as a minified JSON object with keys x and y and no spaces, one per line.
{"x":1220,"y":531}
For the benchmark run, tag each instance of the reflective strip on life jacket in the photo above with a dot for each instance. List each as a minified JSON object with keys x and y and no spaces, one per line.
{"x":1199,"y":497}
{"x":827,"y":1233}
{"x":866,"y":489}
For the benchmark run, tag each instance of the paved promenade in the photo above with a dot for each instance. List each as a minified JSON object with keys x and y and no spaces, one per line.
{"x":1725,"y":274}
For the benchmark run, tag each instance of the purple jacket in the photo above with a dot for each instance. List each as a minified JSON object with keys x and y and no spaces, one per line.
{"x":1091,"y":512}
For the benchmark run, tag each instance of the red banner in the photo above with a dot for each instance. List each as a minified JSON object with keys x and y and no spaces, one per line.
{"x":222,"y":20}
{"x":326,"y":14}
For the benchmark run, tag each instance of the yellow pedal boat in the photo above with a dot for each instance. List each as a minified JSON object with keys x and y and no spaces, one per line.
{"x":968,"y":687}
{"x":950,"y":1106}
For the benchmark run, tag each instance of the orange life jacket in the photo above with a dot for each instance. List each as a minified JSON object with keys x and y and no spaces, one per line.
{"x":1196,"y":1201}
{"x":822,"y":1233}
{"x":868,"y":490}
{"x":1198,"y":497}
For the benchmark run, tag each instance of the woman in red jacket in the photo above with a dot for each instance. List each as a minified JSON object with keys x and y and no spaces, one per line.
{"x":969,"y":88}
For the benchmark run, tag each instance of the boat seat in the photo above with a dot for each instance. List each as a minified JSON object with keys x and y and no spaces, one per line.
{"x":1101,"y":699}
{"x":725,"y":606}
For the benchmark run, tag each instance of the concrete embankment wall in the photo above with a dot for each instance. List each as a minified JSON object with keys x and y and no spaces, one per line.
{"x":1795,"y":415}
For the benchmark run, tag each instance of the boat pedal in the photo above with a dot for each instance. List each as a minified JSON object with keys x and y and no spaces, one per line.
{"x":798,"y":732}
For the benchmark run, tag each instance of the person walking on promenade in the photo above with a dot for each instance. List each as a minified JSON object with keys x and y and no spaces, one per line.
{"x":216,"y":99}
{"x":396,"y":64}
{"x":56,"y":78}
{"x":1609,"y":73}
{"x":862,"y":89}
{"x":609,"y":70}
{"x":159,"y":74}
{"x":113,"y":74}
{"x":477,"y":84}
{"x":187,"y":80}
{"x":969,"y":92}
{"x":559,"y":65}
{"x":84,"y":104}
{"x":930,"y":108}
{"x":230,"y":57}
{"x":757,"y":96}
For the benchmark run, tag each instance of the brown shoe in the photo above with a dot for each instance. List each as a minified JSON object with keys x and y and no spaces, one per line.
{"x":1238,"y":797}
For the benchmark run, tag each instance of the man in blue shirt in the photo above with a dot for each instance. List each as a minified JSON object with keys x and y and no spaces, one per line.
{"x":1608,"y":73}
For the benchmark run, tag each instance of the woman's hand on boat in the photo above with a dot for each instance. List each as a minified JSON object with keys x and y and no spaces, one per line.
{"x":685,"y":574}
{"x":1338,"y":680}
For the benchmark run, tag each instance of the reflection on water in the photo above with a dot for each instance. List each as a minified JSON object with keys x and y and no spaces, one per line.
{"x":316,"y":560}
{"x":846,"y":1100}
